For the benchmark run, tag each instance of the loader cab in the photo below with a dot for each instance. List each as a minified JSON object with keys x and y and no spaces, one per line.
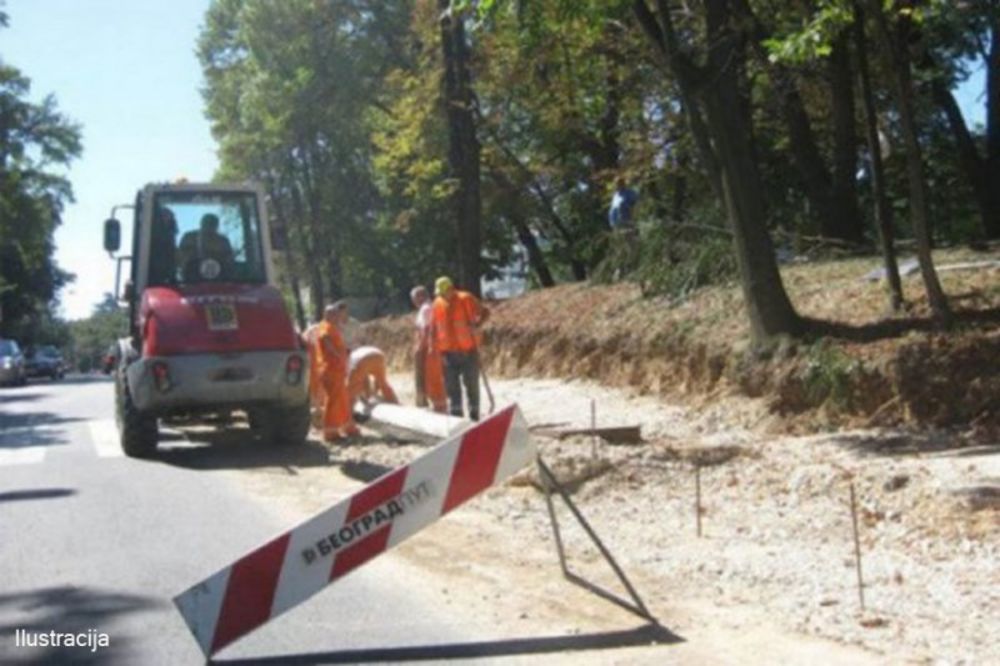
{"x":185,"y":234}
{"x":196,"y":235}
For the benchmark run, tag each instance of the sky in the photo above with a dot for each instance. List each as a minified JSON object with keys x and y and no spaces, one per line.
{"x":126,"y":70}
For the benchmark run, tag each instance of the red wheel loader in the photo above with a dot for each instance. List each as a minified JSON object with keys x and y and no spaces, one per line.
{"x":209,"y":332}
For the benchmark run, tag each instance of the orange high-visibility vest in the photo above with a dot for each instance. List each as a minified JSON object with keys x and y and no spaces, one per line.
{"x":337,"y":361}
{"x":453,"y":322}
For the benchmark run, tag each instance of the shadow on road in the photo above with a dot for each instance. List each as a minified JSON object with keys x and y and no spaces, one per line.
{"x":68,"y":609}
{"x":648,"y":634}
{"x":236,"y":448}
{"x":7,"y":397}
{"x":33,"y":429}
{"x":35,"y":494}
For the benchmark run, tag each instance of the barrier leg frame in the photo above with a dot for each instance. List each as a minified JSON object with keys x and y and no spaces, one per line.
{"x":552,"y":486}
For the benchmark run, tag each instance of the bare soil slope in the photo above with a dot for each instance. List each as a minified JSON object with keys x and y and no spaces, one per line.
{"x":880,"y":369}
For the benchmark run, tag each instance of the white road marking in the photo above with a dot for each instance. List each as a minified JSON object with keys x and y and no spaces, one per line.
{"x":22,"y":455}
{"x":18,"y":447}
{"x":104,"y":435}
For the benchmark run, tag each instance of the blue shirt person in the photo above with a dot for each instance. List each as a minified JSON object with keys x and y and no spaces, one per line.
{"x":622,"y":203}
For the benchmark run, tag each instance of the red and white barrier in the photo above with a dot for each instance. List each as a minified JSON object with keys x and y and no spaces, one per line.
{"x":292,"y":567}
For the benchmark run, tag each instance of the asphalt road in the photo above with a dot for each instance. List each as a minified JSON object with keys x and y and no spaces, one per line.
{"x":93,"y":540}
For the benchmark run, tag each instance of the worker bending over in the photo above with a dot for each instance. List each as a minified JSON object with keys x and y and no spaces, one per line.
{"x":427,"y":363}
{"x":458,"y":317}
{"x":338,"y":421}
{"x":367,"y":368}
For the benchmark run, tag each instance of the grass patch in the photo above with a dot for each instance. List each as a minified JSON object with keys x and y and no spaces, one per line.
{"x":830,"y":376}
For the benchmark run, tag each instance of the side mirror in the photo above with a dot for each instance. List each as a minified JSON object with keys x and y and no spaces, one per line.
{"x":112,"y":235}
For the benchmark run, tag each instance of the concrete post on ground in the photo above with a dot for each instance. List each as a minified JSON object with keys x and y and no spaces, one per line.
{"x":417,"y":420}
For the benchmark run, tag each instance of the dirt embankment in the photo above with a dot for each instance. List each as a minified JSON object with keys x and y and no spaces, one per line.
{"x":879,"y":370}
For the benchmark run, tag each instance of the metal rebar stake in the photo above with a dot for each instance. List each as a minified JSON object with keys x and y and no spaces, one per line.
{"x":637,"y":607}
{"x":857,"y":549}
{"x":697,"y":497}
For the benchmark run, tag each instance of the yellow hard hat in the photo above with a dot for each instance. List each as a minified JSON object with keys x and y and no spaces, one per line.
{"x":442,"y":285}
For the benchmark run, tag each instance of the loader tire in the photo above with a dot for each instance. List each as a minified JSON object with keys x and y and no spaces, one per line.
{"x":137,"y":431}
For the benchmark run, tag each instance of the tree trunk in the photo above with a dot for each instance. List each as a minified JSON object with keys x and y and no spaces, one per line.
{"x":317,"y":294}
{"x":290,"y":263}
{"x":607,"y":157}
{"x":328,"y":232}
{"x":836,"y":210}
{"x":535,"y":256}
{"x":300,"y":311}
{"x":689,"y":101}
{"x":983,"y":173}
{"x":976,"y":169}
{"x":902,"y":84}
{"x":769,"y":310}
{"x":993,"y":125}
{"x":883,"y":211}
{"x":680,"y":197}
{"x":463,"y":148}
{"x":845,"y":141}
{"x":547,"y":205}
{"x":326,"y":253}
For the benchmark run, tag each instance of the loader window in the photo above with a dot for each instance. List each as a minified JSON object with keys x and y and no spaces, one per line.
{"x":215,"y":237}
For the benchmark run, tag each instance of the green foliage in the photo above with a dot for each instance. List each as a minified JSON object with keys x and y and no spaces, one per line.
{"x":810,"y":37}
{"x":830,"y":375}
{"x":333,"y":106}
{"x":815,"y":34}
{"x":36,"y":141}
{"x":671,"y":260}
{"x":91,"y":337}
{"x":337,"y":108}
{"x":692,"y":263}
{"x":566,"y":91}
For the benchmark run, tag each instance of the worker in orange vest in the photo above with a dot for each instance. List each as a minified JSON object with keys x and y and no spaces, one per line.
{"x":338,"y":421}
{"x":317,"y":398}
{"x":457,"y":319}
{"x":367,"y":368}
{"x":428,"y":368}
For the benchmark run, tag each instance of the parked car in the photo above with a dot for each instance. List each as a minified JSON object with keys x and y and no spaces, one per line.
{"x":11,"y":363}
{"x":45,"y":361}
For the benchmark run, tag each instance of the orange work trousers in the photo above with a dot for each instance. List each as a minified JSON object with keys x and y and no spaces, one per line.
{"x":370,"y":368}
{"x":434,"y":381}
{"x":317,"y":395}
{"x":338,"y":421}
